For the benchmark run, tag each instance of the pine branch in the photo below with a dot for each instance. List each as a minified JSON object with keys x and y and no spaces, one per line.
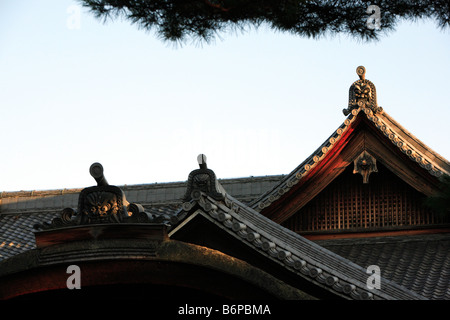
{"x":176,"y":20}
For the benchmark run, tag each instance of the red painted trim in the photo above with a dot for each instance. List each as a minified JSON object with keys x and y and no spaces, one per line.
{"x":370,"y":234}
{"x":281,"y":209}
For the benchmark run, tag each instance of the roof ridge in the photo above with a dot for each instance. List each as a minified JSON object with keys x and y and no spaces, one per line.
{"x":128,"y":187}
{"x":398,"y":139}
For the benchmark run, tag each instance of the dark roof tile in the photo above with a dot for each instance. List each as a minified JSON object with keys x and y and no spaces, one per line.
{"x":16,"y":232}
{"x":419,"y":263}
{"x":20,"y":211}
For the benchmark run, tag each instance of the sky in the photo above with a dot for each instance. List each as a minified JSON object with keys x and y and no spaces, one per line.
{"x":75,"y":90}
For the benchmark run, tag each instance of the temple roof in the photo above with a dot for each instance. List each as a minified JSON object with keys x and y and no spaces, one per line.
{"x":20,"y":211}
{"x":413,"y":267}
{"x":405,"y":142}
{"x":295,"y":253}
{"x":205,"y":196}
{"x":416,"y":150}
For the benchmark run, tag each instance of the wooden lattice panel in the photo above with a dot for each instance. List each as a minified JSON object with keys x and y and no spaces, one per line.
{"x":348,"y":204}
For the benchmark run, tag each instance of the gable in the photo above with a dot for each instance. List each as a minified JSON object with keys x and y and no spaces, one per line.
{"x":347,"y":204}
{"x":368,"y":134}
{"x":360,"y":137}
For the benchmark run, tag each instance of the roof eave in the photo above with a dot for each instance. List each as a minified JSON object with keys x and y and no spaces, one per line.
{"x":290,"y":250}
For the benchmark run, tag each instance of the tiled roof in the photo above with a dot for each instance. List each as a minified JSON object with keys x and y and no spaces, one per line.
{"x":412,"y":267}
{"x":303,"y":257}
{"x":155,"y":194}
{"x":20,"y":211}
{"x":16,"y":232}
{"x":420,"y":263}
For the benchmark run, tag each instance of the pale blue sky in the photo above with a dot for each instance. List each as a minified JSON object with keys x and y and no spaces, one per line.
{"x":256,"y":103}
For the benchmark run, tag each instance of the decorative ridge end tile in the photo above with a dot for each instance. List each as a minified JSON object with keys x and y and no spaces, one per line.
{"x":362,"y":94}
{"x":100,"y":204}
{"x":203,"y":180}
